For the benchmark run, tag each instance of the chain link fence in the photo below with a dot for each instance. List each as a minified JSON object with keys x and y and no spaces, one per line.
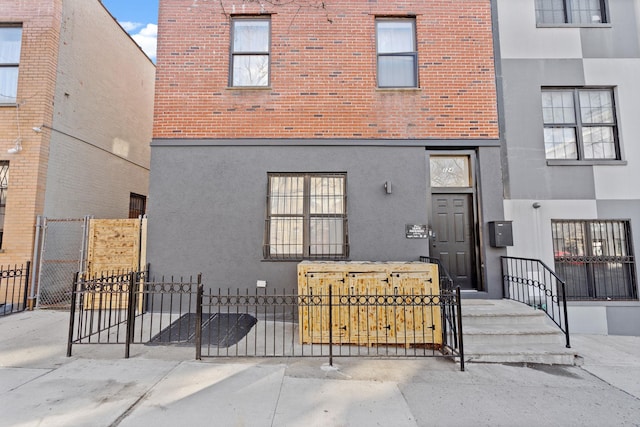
{"x":60,"y":257}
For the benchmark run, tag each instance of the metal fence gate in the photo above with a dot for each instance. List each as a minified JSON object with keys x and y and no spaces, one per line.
{"x":64,"y":247}
{"x":58,"y":254}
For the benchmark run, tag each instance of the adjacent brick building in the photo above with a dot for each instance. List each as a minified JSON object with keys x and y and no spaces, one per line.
{"x":324,"y":130}
{"x":76,"y":97}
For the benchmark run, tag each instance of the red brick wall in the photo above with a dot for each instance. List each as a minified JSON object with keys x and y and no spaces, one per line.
{"x":40,"y":22}
{"x":323,"y":72}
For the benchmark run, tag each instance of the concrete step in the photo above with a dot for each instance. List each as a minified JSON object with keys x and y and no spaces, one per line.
{"x":504,"y":331}
{"x":512,"y":334}
{"x":501,"y":312}
{"x":548,"y":354}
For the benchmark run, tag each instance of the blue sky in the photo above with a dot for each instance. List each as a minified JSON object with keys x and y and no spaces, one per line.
{"x":140,"y":19}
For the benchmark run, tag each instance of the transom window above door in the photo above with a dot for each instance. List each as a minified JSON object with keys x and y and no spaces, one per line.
{"x":450,"y":171}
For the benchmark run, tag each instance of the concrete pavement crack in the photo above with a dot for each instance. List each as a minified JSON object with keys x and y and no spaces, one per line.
{"x":144,"y":395}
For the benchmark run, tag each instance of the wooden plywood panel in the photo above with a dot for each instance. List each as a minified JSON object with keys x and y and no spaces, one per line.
{"x":403,"y":321}
{"x":115,"y":246}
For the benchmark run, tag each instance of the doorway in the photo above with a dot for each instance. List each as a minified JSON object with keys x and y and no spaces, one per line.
{"x":453,"y":217}
{"x":452,"y":241}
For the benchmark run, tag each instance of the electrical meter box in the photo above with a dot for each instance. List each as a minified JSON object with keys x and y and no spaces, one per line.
{"x":500,"y":234}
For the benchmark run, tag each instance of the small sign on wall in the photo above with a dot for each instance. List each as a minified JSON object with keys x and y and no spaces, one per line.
{"x":416,"y":231}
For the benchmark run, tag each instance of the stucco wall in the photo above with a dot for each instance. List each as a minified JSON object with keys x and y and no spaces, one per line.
{"x":535,"y":56}
{"x":212,"y":219}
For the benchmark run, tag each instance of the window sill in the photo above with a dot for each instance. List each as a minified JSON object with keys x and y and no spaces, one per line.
{"x":398,"y":89}
{"x":605,"y":25}
{"x":8,"y":105}
{"x":586,"y":162}
{"x":298,"y":260}
{"x":248,"y":88}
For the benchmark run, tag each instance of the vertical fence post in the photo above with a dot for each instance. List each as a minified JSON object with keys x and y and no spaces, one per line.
{"x":460,"y":340}
{"x":25,"y":278}
{"x":566,"y":314}
{"x":130,"y":314}
{"x":330,"y":327}
{"x":199,"y":300}
{"x":74,"y":290}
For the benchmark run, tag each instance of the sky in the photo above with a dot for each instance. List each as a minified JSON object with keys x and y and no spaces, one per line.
{"x":140,"y":19}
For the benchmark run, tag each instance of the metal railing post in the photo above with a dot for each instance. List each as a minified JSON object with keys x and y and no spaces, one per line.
{"x":199,"y":300}
{"x":72,"y":317}
{"x":460,"y":340}
{"x":330,"y":327}
{"x":566,"y":314}
{"x":130,"y":314}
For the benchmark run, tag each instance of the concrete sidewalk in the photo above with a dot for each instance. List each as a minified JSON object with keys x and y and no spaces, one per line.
{"x":165,"y":386}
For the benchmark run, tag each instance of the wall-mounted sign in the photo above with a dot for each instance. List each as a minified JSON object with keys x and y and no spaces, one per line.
{"x":416,"y":231}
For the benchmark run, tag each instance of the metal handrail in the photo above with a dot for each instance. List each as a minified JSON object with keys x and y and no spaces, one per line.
{"x":451,"y":316}
{"x":532,"y":282}
{"x":446,"y":282}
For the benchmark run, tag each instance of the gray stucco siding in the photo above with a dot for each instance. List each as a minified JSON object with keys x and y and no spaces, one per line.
{"x":210,"y":218}
{"x":523,"y":80}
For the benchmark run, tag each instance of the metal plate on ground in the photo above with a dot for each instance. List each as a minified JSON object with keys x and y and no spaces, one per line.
{"x":218,"y":330}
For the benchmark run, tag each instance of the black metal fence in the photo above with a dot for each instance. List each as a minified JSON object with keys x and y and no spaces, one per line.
{"x":130,"y":309}
{"x":331,"y":325}
{"x":531,"y":282}
{"x":127,"y":308}
{"x":14,"y":285}
{"x":446,"y":282}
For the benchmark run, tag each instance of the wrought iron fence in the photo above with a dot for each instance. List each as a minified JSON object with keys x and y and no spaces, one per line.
{"x":130,"y":309}
{"x":531,"y":282}
{"x":277,"y":324}
{"x":14,"y":284}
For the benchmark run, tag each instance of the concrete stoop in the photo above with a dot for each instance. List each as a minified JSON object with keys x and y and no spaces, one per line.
{"x":504,"y":331}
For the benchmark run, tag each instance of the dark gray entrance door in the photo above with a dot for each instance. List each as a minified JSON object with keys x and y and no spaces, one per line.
{"x":453,"y":242}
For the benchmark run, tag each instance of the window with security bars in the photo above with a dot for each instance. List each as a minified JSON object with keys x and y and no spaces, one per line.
{"x":306,"y":216}
{"x":137,"y":205}
{"x":579,"y":124}
{"x":595,"y":258}
{"x":571,"y":12}
{"x":4,"y":185}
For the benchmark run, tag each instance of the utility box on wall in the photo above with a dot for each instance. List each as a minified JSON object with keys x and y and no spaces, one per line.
{"x":500,"y":234}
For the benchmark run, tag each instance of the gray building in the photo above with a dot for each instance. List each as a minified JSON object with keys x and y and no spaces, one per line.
{"x":570,"y":73}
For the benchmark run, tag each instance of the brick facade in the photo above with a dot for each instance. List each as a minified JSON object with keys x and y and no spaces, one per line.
{"x":95,"y":119}
{"x":37,"y":74}
{"x":323,"y":72}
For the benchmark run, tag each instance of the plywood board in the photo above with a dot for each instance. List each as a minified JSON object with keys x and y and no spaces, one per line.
{"x":115,"y":246}
{"x":392,"y":318}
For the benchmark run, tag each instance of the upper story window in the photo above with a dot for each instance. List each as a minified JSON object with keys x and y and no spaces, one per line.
{"x":570,"y":12}
{"x":579,"y":124}
{"x":250,"y":52}
{"x":10,"y":43}
{"x":397,"y":53}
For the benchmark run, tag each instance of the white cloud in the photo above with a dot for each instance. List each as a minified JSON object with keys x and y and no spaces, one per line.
{"x":147,"y":39}
{"x":130,"y":26}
